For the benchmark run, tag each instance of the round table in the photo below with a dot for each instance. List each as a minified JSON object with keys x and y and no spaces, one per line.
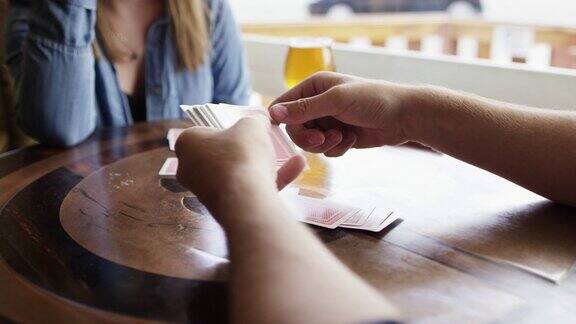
{"x":92,"y":233}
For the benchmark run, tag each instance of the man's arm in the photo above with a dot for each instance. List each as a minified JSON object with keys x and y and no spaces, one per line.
{"x":534,"y":148}
{"x":280,"y":273}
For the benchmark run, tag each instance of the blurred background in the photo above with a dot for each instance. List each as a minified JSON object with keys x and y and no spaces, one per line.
{"x":537,"y":33}
{"x":519,"y":51}
{"x":552,"y":12}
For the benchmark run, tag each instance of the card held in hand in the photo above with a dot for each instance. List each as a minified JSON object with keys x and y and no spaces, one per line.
{"x":224,"y":116}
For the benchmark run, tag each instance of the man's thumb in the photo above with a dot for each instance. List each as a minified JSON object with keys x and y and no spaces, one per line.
{"x":303,"y":110}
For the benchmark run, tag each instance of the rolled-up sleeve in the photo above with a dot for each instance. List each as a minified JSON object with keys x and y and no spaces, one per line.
{"x":49,"y":50}
{"x":231,"y":78}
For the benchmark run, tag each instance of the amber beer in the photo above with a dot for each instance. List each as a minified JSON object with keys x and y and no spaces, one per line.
{"x":307,"y":56}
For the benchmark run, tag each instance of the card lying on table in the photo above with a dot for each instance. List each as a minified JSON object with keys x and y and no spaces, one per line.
{"x":170,"y":168}
{"x":318,"y":212}
{"x":172,"y":136}
{"x":332,"y":215}
{"x":373,"y":220}
{"x":224,"y":116}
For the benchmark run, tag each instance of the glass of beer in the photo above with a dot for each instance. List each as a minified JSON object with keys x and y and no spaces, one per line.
{"x":307,"y":56}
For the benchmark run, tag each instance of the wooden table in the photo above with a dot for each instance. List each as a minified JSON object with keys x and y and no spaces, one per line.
{"x":93,"y":234}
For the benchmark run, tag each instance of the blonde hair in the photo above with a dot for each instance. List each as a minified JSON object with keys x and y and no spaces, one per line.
{"x":189,"y":26}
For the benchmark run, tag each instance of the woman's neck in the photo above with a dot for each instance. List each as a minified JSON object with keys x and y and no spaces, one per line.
{"x":136,"y":12}
{"x":134,"y":6}
{"x":129,"y":22}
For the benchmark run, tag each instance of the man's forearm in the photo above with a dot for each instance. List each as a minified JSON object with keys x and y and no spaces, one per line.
{"x":278,"y":267}
{"x":532,"y":147}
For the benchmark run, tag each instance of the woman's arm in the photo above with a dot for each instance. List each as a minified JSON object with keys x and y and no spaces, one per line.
{"x":49,"y":50}
{"x":231,"y":79}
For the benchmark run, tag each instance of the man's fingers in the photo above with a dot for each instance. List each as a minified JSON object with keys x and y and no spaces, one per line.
{"x":191,"y":135}
{"x":348,"y":141}
{"x":314,"y":85}
{"x":250,"y":129}
{"x":201,"y":131}
{"x":304,"y":137}
{"x":290,"y":171}
{"x":333,"y":138}
{"x":307,"y":109}
{"x":257,"y":121}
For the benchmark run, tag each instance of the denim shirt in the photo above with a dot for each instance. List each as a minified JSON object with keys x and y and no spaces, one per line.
{"x":63,"y":93}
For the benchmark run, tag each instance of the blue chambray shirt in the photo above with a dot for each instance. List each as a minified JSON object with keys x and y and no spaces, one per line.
{"x":63,"y":93}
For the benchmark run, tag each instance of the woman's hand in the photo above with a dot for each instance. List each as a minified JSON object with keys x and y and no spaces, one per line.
{"x":331,"y":113}
{"x":212,"y":163}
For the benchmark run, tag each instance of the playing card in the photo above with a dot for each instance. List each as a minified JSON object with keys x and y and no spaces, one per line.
{"x":373,"y":217}
{"x":318,"y":212}
{"x":203,"y":117}
{"x":224,"y":116}
{"x":172,"y":136}
{"x":389,"y":220}
{"x":376,"y":222}
{"x":283,"y":148}
{"x":228,"y":115}
{"x":360,"y":218}
{"x":170,"y":168}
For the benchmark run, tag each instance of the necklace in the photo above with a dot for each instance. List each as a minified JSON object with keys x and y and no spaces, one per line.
{"x":132,"y":55}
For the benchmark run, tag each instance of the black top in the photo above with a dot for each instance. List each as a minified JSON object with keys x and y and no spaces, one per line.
{"x":137,"y":107}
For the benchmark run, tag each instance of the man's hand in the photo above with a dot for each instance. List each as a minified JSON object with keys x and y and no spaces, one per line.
{"x":212,"y":161}
{"x":331,"y":113}
{"x":232,"y":172}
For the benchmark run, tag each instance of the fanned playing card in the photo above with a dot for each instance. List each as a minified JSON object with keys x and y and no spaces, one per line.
{"x":223,"y":116}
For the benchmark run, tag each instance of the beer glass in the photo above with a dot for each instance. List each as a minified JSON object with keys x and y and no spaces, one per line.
{"x":307,"y":56}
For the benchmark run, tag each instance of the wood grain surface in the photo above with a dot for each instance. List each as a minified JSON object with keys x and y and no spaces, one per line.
{"x":92,"y":234}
